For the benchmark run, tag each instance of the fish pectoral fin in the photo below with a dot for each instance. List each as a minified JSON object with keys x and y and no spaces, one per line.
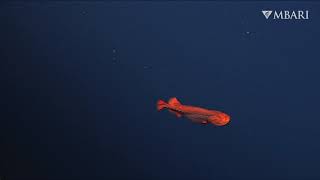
{"x":195,"y":118}
{"x":176,"y":113}
{"x":204,"y":122}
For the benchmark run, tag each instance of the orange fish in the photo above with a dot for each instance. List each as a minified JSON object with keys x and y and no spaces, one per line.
{"x":195,"y":114}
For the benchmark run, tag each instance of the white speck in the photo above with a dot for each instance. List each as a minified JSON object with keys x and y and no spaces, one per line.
{"x":114,"y":60}
{"x":248,"y":32}
{"x":114,"y":50}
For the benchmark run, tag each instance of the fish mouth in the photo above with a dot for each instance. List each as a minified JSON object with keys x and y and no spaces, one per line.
{"x":227,"y":124}
{"x":227,"y":120}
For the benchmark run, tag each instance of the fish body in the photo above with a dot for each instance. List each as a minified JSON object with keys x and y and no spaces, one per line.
{"x":195,"y":114}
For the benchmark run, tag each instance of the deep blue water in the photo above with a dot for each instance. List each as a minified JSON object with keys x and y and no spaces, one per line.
{"x":80,"y":82}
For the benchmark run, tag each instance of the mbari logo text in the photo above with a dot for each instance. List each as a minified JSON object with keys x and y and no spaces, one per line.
{"x":286,"y":15}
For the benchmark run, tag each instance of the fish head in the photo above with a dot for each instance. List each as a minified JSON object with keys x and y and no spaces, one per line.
{"x":220,"y":119}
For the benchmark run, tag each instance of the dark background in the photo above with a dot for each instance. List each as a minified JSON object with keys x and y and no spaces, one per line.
{"x":79,"y":84}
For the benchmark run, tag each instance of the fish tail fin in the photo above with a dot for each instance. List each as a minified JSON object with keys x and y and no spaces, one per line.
{"x":161,"y":105}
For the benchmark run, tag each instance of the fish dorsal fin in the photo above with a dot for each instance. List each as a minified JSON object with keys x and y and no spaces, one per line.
{"x":174,"y":101}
